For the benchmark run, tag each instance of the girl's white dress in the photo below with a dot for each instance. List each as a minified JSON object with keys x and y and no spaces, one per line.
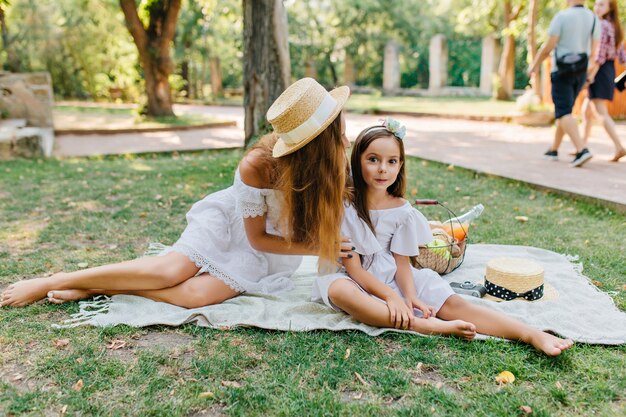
{"x":398,"y":230}
{"x":215,"y":240}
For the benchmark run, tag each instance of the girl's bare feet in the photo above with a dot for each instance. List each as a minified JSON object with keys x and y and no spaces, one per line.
{"x":433,"y":325}
{"x":25,"y":292}
{"x":63,"y":296}
{"x":549,"y":344}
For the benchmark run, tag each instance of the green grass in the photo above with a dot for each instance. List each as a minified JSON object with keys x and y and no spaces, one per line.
{"x":56,"y":214}
{"x":93,"y":116}
{"x":466,"y":106}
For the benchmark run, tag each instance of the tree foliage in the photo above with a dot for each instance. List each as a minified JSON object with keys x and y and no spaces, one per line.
{"x":85,"y":46}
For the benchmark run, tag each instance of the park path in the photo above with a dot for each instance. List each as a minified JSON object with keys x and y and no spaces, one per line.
{"x":501,"y":149}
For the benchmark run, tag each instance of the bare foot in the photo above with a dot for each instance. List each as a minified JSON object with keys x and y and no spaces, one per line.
{"x":618,"y":155}
{"x":433,"y":325}
{"x":63,"y":296}
{"x":549,"y":344}
{"x":25,"y":292}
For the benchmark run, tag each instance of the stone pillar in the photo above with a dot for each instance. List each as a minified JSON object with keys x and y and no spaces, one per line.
{"x":309,"y":69}
{"x":348,"y":70}
{"x":438,"y":63}
{"x":489,"y":63}
{"x":28,"y":100}
{"x":216,"y":78}
{"x":391,"y":68}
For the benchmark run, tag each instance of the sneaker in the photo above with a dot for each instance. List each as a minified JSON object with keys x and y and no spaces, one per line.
{"x":581,"y":158}
{"x":551,"y":155}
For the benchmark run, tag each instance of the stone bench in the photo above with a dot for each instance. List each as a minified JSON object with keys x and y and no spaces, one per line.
{"x":16,"y":139}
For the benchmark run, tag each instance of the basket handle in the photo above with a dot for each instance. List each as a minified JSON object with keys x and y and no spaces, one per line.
{"x":427,"y":202}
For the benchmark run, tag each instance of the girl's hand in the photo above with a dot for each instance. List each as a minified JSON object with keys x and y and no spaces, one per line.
{"x":427,"y":311}
{"x":400,"y":315}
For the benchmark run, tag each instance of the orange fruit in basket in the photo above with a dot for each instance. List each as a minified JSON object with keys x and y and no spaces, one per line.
{"x":458,"y":231}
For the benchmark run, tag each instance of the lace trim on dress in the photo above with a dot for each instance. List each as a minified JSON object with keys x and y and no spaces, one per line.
{"x":249,"y":209}
{"x":206,"y":265}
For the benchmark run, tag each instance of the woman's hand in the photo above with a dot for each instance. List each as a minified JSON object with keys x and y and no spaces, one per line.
{"x":346,"y":248}
{"x":427,"y":311}
{"x":400,"y":315}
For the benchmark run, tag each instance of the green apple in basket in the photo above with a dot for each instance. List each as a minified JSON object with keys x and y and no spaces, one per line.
{"x":440,"y":247}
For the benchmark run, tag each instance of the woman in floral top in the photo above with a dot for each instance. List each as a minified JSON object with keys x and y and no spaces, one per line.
{"x":602,"y":84}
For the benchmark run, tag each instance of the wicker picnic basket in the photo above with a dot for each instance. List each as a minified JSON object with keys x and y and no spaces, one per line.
{"x":432,"y":258}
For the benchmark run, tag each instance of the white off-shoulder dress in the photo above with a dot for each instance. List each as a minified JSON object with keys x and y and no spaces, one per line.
{"x":398,"y":230}
{"x":215,"y":239}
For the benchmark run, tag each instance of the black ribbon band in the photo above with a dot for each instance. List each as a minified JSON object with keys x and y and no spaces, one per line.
{"x":507,"y":295}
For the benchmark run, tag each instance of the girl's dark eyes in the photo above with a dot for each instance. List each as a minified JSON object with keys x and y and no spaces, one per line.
{"x":372,"y":159}
{"x":393,"y":161}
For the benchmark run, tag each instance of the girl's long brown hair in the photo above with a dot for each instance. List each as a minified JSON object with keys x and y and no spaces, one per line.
{"x":359,"y":196}
{"x":313,"y":185}
{"x":613,"y":17}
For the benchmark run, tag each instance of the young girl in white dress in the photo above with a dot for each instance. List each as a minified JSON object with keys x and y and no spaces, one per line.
{"x":286,"y":199}
{"x":379,"y":287}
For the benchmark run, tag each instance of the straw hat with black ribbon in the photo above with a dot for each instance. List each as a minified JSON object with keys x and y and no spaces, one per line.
{"x":516,"y":279}
{"x":302,"y":112}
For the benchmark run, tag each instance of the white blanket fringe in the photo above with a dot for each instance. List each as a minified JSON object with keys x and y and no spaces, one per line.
{"x":88,"y":311}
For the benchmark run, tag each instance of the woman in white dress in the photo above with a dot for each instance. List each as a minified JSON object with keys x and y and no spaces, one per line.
{"x":286,"y":201}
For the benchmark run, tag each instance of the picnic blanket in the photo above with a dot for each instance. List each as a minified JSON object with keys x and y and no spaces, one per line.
{"x":581,"y":312}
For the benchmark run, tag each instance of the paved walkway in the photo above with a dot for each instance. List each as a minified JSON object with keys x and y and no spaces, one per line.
{"x":501,"y":149}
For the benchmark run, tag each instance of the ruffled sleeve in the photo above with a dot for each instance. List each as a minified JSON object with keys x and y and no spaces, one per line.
{"x":362,"y":237}
{"x":250,"y":200}
{"x":412,"y":231}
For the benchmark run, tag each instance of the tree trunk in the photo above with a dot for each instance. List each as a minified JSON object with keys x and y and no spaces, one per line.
{"x":533,"y":15}
{"x":13,"y":63}
{"x":506,"y":70}
{"x":266,"y":66}
{"x":153,"y":45}
{"x":217,"y":87}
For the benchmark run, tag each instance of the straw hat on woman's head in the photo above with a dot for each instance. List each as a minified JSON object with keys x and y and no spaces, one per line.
{"x":302,"y":112}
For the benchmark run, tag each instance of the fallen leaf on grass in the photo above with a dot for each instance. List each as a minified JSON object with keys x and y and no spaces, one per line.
{"x":116,"y":344}
{"x":558,"y":385}
{"x":360,"y":378}
{"x":413,"y":192}
{"x":418,"y":367}
{"x":78,"y":385}
{"x":624,"y":287}
{"x":17,"y":377}
{"x":526,"y":409}
{"x":206,"y":394}
{"x":61,"y":343}
{"x":521,"y":219}
{"x":439,"y":385}
{"x":505,"y":377}
{"x":82,"y":265}
{"x":64,"y":409}
{"x":357,"y":396}
{"x":450,"y":167}
{"x":347,"y":355}
{"x":596,"y":283}
{"x":420,"y":381}
{"x":231,"y":384}
{"x":80,"y":360}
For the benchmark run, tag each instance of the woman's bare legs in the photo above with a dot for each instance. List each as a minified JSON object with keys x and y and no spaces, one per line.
{"x":609,"y":126}
{"x":148,"y":273}
{"x":363,"y":307}
{"x":494,"y":323}
{"x":199,"y":291}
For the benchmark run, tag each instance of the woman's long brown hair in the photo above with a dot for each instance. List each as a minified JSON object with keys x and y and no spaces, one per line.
{"x":613,"y":17}
{"x":313,"y":185}
{"x":359,"y":197}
